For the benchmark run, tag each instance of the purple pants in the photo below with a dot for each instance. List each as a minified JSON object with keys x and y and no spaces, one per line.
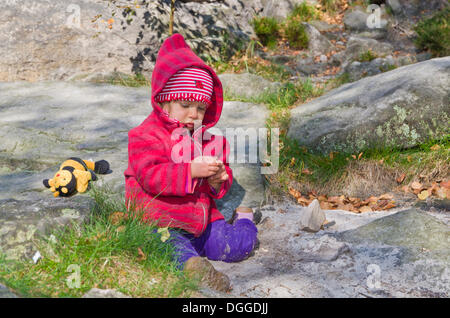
{"x":220,"y":242}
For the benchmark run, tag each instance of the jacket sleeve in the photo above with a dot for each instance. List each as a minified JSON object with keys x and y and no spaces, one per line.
{"x":154,"y":170}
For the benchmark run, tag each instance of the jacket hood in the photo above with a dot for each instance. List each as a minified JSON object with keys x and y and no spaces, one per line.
{"x":173,"y":56}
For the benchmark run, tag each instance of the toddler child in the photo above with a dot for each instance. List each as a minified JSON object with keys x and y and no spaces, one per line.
{"x":176,"y":168}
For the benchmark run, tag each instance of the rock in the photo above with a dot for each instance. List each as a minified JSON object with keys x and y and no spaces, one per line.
{"x":247,"y":85}
{"x":267,"y":223}
{"x":400,"y":108}
{"x":415,"y":231}
{"x":280,"y":9}
{"x":323,"y":26}
{"x":104,"y":293}
{"x":6,"y":293}
{"x":312,"y":218}
{"x":358,"y":70}
{"x":322,"y":249}
{"x":73,"y":39}
{"x":358,"y":45}
{"x":21,"y":221}
{"x":395,"y":6}
{"x":440,"y":204}
{"x":355,"y":20}
{"x":318,"y":44}
{"x":359,"y":21}
{"x":307,"y":66}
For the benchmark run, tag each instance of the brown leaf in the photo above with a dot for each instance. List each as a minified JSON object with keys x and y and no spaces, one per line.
{"x":386,"y":196}
{"x":322,"y":198}
{"x":435,"y":147}
{"x":359,"y":156}
{"x":401,"y":178}
{"x":445,"y":184}
{"x":365,"y":209}
{"x":325,"y":205}
{"x":141,"y":255}
{"x":405,"y":189}
{"x":306,"y":171}
{"x":334,"y":199}
{"x":409,"y":158}
{"x":117,"y":217}
{"x":373,"y":199}
{"x":354,"y":157}
{"x":416,"y":185}
{"x":354,"y":200}
{"x":441,"y":193}
{"x":303,"y":200}
{"x":388,"y":206}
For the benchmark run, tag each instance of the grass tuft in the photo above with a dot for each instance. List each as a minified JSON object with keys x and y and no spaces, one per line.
{"x":434,"y":34}
{"x":127,"y":255}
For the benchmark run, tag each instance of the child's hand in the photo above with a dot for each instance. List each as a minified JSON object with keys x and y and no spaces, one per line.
{"x":220,"y":177}
{"x":204,"y":167}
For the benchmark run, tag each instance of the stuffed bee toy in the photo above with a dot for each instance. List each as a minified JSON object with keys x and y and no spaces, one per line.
{"x":74,"y":175}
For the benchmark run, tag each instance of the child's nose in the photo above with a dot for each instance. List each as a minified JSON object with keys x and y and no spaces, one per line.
{"x":193,"y":112}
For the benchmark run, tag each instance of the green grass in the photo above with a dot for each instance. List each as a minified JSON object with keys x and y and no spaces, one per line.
{"x":107,"y":255}
{"x":305,"y":12}
{"x":285,"y":96}
{"x":137,"y":80}
{"x":434,"y":34}
{"x":267,"y":30}
{"x":296,"y":34}
{"x":367,"y":56}
{"x":426,"y":161}
{"x":329,"y":5}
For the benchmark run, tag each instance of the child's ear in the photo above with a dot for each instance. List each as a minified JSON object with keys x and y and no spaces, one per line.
{"x":83,"y":178}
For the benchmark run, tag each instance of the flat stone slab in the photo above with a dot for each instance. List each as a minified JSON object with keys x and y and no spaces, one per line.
{"x":21,"y":221}
{"x":361,"y":255}
{"x":6,"y":293}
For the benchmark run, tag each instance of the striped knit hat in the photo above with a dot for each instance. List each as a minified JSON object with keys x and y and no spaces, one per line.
{"x":190,"y":84}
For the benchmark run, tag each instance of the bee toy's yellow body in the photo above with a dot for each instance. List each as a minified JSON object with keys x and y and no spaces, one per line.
{"x":74,"y":175}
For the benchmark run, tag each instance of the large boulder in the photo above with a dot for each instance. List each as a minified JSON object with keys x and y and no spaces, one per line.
{"x":75,"y":39}
{"x":399,"y":108}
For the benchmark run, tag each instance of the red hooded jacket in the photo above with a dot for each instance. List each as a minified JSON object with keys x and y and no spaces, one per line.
{"x":159,"y":185}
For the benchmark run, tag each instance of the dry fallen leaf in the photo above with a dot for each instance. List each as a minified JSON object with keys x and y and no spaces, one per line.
{"x":445,"y":184}
{"x":359,"y":156}
{"x":386,"y":196}
{"x":416,"y":186}
{"x":141,"y":255}
{"x":405,"y":189}
{"x":324,"y":205}
{"x":306,"y":171}
{"x":390,"y":205}
{"x":365,"y":209}
{"x":435,"y":147}
{"x":165,"y":234}
{"x":423,"y":195}
{"x":116,"y":217}
{"x":401,"y":178}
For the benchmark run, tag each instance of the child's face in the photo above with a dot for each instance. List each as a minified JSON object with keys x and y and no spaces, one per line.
{"x":185,"y":112}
